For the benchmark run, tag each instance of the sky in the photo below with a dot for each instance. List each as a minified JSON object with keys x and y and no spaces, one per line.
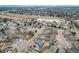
{"x":39,"y":2}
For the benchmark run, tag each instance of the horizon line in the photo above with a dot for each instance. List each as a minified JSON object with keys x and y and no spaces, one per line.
{"x":39,"y":6}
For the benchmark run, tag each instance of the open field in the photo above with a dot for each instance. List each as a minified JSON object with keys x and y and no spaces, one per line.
{"x":20,"y":16}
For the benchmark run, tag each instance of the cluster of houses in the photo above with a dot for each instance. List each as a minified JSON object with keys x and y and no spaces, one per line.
{"x":40,"y":35}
